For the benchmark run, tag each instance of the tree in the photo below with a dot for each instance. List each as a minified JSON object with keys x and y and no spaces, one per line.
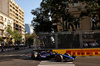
{"x":9,"y":33}
{"x":13,"y":35}
{"x":29,"y":39}
{"x":93,"y":11}
{"x":1,"y":40}
{"x":41,"y":22}
{"x":17,"y":36}
{"x":58,"y":11}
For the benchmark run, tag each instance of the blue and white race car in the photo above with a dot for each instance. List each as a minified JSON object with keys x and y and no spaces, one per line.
{"x":48,"y":54}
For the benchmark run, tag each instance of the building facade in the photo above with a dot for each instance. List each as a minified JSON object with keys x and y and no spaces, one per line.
{"x":85,"y":25}
{"x":5,"y":21}
{"x":85,"y":22}
{"x":11,"y":9}
{"x":28,"y":28}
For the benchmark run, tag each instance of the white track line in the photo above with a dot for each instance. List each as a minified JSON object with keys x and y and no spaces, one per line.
{"x":49,"y":63}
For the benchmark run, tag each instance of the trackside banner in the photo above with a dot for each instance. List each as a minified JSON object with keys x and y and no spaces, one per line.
{"x":80,"y":52}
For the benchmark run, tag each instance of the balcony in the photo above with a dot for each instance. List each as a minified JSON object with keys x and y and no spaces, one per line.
{"x":9,"y":23}
{"x":1,"y":22}
{"x":4,"y":35}
{"x":23,"y":32}
{"x":1,"y":28}
{"x":0,"y":35}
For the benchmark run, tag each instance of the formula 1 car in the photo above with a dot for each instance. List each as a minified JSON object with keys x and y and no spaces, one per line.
{"x":48,"y":54}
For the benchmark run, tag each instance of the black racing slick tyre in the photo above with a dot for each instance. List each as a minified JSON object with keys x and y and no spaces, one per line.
{"x":59,"y":58}
{"x":34,"y":55}
{"x":73,"y":56}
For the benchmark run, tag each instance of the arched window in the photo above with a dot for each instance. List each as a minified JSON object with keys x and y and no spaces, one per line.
{"x":1,"y":18}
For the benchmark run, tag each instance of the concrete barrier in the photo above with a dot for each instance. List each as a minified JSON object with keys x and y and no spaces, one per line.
{"x":80,"y":52}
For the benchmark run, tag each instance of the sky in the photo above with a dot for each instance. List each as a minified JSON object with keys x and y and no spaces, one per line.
{"x":27,"y":6}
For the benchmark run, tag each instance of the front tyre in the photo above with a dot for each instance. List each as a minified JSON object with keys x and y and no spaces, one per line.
{"x":34,"y":55}
{"x":73,"y":56}
{"x":68,"y":59}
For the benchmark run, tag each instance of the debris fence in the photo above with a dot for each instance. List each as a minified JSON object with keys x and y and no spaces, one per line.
{"x":63,"y":40}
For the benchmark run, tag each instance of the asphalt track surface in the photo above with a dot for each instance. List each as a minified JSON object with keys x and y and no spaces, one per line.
{"x":22,"y":58}
{"x":80,"y":61}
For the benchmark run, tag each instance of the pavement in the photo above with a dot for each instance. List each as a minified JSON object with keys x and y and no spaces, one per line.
{"x":50,"y":63}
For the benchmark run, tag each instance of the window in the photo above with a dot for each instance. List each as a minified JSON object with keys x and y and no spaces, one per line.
{"x":17,"y":10}
{"x":1,"y":25}
{"x":84,"y":36}
{"x":91,"y":36}
{"x":8,"y":21}
{"x":77,"y":26}
{"x":10,"y":2}
{"x":11,"y":21}
{"x":5,"y":19}
{"x":67,"y":25}
{"x":16,"y":14}
{"x":60,"y":29}
{"x":76,"y":4}
{"x":1,"y":18}
{"x":22,"y":38}
{"x":77,"y":23}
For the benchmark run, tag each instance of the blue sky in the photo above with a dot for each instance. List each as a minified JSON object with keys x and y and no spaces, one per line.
{"x":27,"y":6}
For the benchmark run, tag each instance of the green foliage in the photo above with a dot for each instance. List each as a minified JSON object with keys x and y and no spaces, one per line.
{"x":29,"y":38}
{"x":57,"y":9}
{"x":41,"y":21}
{"x":1,"y":39}
{"x":17,"y":36}
{"x":51,"y":9}
{"x":92,"y":7}
{"x":9,"y":31}
{"x":12,"y":35}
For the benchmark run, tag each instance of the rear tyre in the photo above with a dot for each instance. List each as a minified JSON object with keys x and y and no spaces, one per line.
{"x":59,"y":58}
{"x":32,"y":56}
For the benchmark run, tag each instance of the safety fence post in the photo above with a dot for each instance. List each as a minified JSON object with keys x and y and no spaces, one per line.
{"x":81,"y":39}
{"x":35,"y":42}
{"x":56,"y":40}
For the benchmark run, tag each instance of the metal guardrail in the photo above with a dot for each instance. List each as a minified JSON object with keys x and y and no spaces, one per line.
{"x":11,"y":48}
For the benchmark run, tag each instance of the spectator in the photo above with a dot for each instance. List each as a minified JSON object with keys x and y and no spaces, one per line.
{"x":96,"y":44}
{"x":93,"y":44}
{"x":85,"y":45}
{"x":39,"y":47}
